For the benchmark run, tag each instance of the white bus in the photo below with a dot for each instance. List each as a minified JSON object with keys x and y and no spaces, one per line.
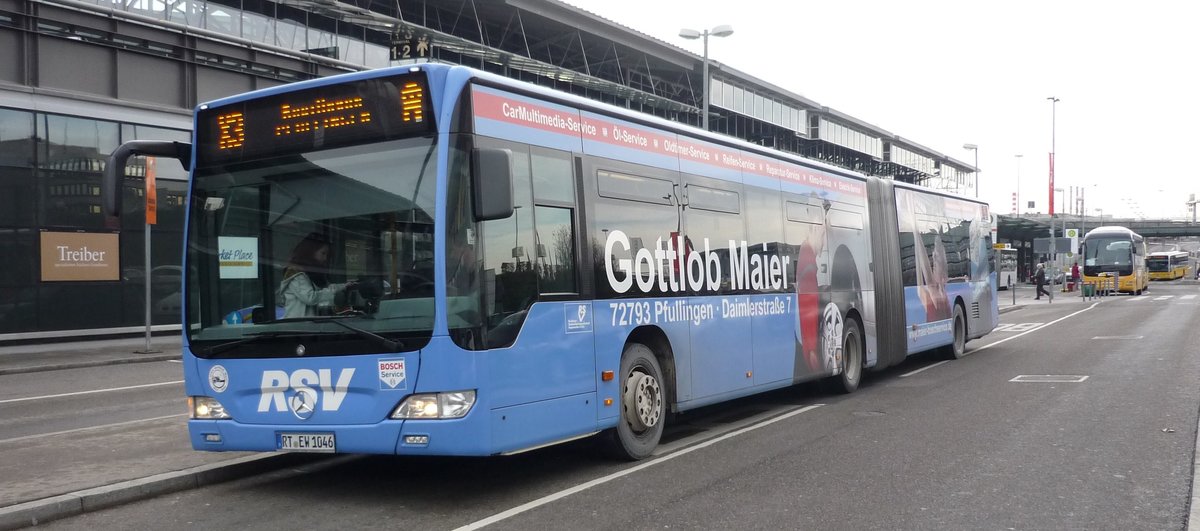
{"x":1006,"y":266}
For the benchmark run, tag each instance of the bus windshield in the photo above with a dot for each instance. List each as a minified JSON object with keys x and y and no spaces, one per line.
{"x":1104,"y":255}
{"x":1008,"y":260}
{"x":1158,"y":264}
{"x":329,"y":249}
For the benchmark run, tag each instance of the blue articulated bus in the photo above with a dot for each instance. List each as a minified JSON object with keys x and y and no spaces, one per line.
{"x":434,"y":260}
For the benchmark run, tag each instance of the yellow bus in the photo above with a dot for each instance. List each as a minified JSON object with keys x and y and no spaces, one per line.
{"x":1167,"y":265}
{"x":1118,"y":252}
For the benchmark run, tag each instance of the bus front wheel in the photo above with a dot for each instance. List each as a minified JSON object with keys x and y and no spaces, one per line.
{"x":642,"y":405}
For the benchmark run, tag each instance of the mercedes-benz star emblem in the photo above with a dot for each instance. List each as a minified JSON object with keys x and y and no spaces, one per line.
{"x":303,"y":403}
{"x":299,"y":350}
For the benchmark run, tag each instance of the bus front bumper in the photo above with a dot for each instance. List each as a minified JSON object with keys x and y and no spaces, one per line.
{"x":404,"y":437}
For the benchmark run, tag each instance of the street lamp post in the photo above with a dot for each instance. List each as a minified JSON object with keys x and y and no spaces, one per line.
{"x":1053,"y":124}
{"x":723,"y":30}
{"x":1019,"y":185}
{"x":1082,"y":213}
{"x":975,"y":168}
{"x":1053,"y":120}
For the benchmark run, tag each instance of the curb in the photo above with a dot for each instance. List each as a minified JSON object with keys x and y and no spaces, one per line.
{"x":83,"y":364}
{"x":75,"y":503}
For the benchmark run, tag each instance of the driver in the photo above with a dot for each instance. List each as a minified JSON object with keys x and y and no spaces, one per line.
{"x":305,"y":287}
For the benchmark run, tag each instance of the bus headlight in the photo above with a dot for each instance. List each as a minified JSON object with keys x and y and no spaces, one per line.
{"x":206,"y":408}
{"x":451,"y":405}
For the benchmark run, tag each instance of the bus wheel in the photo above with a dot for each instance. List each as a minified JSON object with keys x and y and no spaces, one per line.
{"x":958,"y":348}
{"x":852,"y":356}
{"x":640,"y":425}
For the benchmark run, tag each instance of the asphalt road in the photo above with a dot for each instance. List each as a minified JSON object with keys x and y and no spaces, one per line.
{"x":54,"y":401}
{"x":956,"y":445}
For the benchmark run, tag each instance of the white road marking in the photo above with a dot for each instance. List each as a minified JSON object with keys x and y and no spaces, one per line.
{"x":907,"y":374}
{"x":143,"y":386}
{"x":617,"y":475}
{"x":102,"y":426}
{"x":1163,"y":298}
{"x":1009,"y":338}
{"x":1014,"y":327}
{"x":1117,"y":337}
{"x":174,"y":361}
{"x":1194,"y":513}
{"x":1186,"y":297}
{"x":1035,"y":328}
{"x":1049,"y":378}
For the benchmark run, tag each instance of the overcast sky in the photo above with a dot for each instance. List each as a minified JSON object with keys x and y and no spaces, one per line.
{"x":947,"y":72}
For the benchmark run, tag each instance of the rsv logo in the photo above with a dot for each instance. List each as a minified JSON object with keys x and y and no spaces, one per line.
{"x":276,"y":383}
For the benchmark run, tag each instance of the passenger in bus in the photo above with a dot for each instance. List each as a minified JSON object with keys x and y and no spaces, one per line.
{"x":305,"y":290}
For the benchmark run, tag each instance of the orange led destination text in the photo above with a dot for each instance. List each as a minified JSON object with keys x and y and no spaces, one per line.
{"x":232,"y":130}
{"x":412,"y":103}
{"x":321,"y":114}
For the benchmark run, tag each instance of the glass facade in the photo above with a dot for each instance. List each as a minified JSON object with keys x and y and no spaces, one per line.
{"x":269,"y":23}
{"x":732,"y":97}
{"x":841,"y":135}
{"x":50,"y":172}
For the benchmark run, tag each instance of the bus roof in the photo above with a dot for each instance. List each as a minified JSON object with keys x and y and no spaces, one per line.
{"x":1168,"y":253}
{"x":569,"y":99}
{"x":1110,"y":231}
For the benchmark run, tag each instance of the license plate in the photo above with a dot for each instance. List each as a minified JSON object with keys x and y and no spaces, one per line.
{"x":307,"y":442}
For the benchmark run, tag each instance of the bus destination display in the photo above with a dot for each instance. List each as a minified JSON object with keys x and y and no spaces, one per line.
{"x":364,"y":111}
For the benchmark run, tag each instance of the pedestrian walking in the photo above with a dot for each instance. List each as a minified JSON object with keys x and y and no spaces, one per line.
{"x":1039,"y":278}
{"x":1075,"y":276}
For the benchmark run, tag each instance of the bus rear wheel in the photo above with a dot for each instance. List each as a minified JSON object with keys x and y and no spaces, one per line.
{"x":958,"y":348}
{"x":852,"y":359}
{"x":642,"y":406}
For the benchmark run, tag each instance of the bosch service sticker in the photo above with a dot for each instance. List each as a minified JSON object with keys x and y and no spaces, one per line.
{"x":391,"y":375}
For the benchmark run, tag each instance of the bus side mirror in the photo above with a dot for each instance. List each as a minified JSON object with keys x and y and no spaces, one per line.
{"x":492,"y":183}
{"x":114,"y":169}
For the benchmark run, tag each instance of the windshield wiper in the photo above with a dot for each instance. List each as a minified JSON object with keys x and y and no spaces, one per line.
{"x":380,"y":341}
{"x":209,"y":352}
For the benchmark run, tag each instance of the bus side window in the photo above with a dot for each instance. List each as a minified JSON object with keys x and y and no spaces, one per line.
{"x":555,"y":260}
{"x":554,"y":224}
{"x":509,"y":254}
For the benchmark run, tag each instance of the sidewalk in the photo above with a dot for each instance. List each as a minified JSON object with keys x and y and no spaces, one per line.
{"x":23,"y":358}
{"x":1025,"y":297}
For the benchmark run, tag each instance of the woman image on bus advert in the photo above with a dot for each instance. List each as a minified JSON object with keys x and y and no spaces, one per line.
{"x":808,"y":296}
{"x":305,"y":289}
{"x":932,"y":276}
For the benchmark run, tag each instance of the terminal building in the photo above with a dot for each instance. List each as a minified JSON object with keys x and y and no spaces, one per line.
{"x":80,"y":77}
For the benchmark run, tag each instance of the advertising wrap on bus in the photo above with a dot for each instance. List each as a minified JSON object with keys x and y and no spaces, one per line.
{"x":951,"y":260}
{"x":434,"y":260}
